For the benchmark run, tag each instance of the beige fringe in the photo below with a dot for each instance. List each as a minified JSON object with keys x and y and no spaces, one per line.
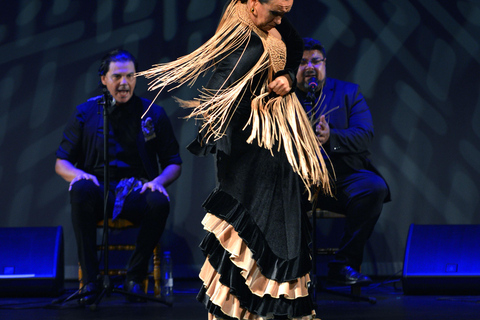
{"x":279,"y":120}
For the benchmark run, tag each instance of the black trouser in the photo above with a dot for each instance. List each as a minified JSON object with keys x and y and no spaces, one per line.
{"x":149,"y":210}
{"x":360,"y":196}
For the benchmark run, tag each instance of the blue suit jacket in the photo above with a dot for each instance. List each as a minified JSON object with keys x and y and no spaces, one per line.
{"x":351,"y":126}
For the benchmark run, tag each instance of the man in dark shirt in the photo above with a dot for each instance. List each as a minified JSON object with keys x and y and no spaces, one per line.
{"x":344,"y":128}
{"x":138,"y":142}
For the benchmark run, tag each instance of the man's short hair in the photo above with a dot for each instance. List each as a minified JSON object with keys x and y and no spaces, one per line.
{"x":313,"y":44}
{"x":115,"y":55}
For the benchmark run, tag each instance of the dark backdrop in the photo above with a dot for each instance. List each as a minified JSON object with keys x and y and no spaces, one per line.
{"x":417,"y":63}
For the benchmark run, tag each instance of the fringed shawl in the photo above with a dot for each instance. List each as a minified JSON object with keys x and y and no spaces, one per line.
{"x":277,"y":120}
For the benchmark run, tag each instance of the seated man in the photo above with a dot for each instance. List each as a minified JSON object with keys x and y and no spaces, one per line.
{"x":137,"y":188}
{"x":344,"y":128}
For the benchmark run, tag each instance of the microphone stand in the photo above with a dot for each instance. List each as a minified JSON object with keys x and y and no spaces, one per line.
{"x":108,"y":288}
{"x":107,"y":102}
{"x":310,"y":98}
{"x":310,"y":102}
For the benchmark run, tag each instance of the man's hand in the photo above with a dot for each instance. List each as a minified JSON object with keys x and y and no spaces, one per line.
{"x":322,"y":130}
{"x":282,"y":85}
{"x":84,"y":176}
{"x":155,"y":186}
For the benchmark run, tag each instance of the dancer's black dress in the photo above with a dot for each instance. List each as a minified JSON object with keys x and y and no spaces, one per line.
{"x":257,"y":257}
{"x":256,"y":247}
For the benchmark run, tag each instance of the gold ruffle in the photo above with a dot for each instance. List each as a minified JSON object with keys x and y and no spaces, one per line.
{"x":275,"y":122}
{"x":241,"y":256}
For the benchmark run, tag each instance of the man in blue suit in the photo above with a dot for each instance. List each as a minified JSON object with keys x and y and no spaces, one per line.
{"x":343,"y":124}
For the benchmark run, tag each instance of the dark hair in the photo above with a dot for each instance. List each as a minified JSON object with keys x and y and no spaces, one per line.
{"x":312,"y":44}
{"x":115,"y":55}
{"x":261,"y":1}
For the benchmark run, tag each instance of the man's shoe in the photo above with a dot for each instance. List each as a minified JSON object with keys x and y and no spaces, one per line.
{"x":348,"y":276}
{"x":136,"y":288}
{"x":89,"y":294}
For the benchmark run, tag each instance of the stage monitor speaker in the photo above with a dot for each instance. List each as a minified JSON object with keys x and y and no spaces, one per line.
{"x":442,"y":259}
{"x":31,"y":261}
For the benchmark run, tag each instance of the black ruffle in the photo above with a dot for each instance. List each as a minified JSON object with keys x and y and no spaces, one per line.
{"x":212,"y":308}
{"x":216,"y":310}
{"x":231,"y":277}
{"x":225,"y":207}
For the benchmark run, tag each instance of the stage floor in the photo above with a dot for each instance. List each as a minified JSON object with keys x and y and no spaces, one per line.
{"x":391,"y":304}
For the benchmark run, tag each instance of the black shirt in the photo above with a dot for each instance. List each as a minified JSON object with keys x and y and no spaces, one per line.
{"x":129,"y":154}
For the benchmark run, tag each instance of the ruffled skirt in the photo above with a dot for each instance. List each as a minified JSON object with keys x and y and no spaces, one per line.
{"x":243,"y":277}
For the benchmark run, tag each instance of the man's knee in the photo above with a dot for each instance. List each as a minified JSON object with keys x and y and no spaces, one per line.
{"x":378,"y":188}
{"x":85,"y":196}
{"x":368,"y":196}
{"x":158,"y":202}
{"x":83,"y":187}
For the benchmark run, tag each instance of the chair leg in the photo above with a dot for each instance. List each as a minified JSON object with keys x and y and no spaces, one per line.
{"x":156,"y":270}
{"x":80,"y":276}
{"x":145,"y":284}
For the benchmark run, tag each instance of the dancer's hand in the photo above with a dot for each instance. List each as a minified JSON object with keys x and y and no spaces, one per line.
{"x":281,"y":85}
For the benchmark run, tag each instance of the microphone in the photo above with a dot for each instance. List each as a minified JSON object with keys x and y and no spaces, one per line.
{"x":313,"y":84}
{"x":111,"y":100}
{"x":108,"y":99}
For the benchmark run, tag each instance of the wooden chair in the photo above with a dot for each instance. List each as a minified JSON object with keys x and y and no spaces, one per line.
{"x":355,"y":290}
{"x":122,"y":224}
